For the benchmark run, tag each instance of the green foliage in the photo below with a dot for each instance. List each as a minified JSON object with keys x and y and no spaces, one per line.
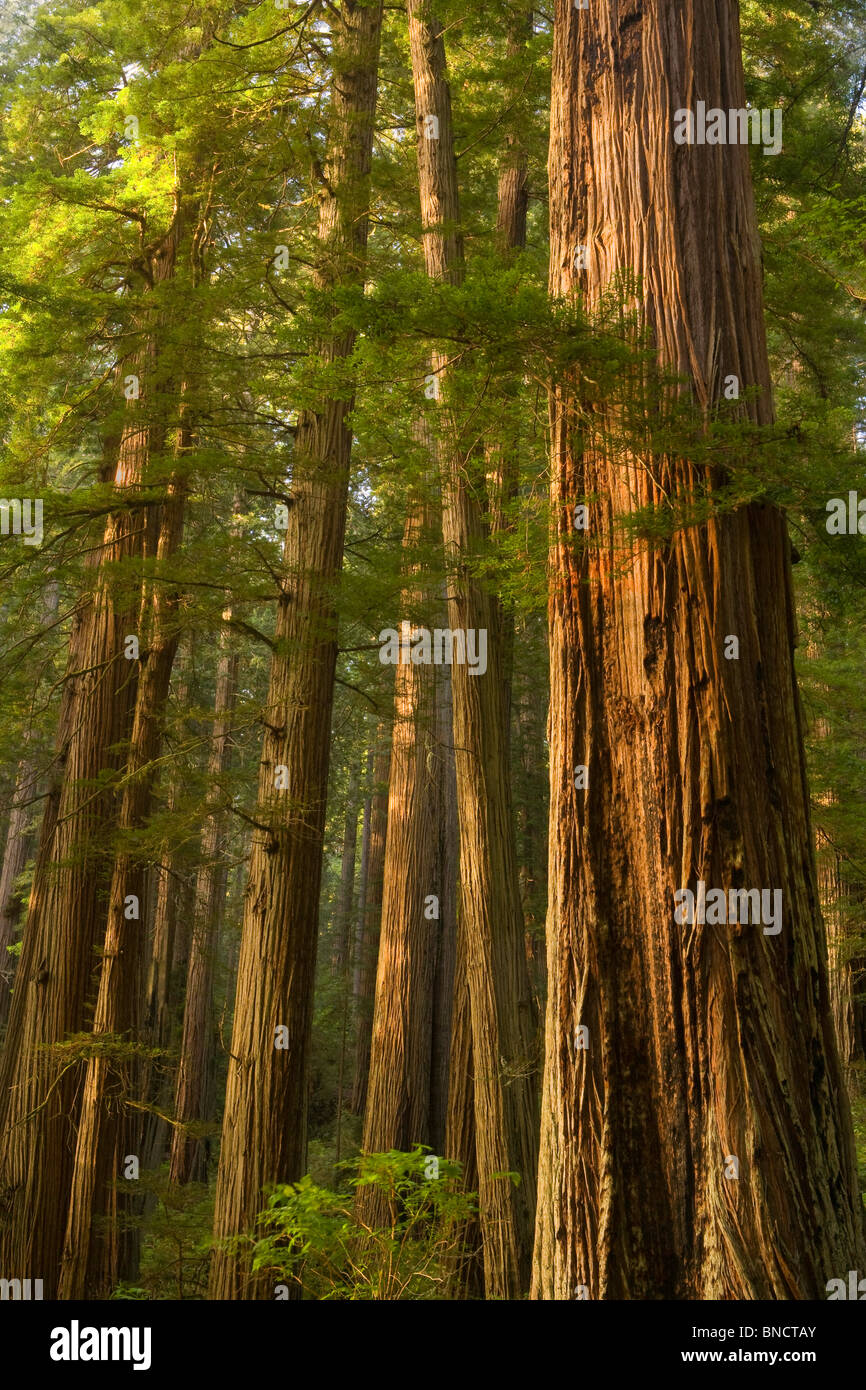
{"x":175,"y":1223}
{"x":316,"y":1240}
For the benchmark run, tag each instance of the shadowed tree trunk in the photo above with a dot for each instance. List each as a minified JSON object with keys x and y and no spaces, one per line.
{"x":503,"y":1026}
{"x":370,"y":914}
{"x":17,"y":848}
{"x":696,"y":1137}
{"x":502,"y":482}
{"x":448,"y":854}
{"x":264,"y":1136}
{"x":345,"y":897}
{"x":39,"y":1088}
{"x":835,"y":899}
{"x":188,"y":1162}
{"x":100,"y":1246}
{"x":24,"y":813}
{"x":172,"y":890}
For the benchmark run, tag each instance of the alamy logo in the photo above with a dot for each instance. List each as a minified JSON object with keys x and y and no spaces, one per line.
{"x":22,"y":1289}
{"x":846,"y":518}
{"x":856,"y":1288}
{"x":738,"y":907}
{"x":22,"y":517}
{"x":74,"y":1343}
{"x":740,"y":126}
{"x":444,"y":645}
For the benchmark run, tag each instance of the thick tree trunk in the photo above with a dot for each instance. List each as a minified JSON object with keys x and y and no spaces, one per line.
{"x":188,"y":1161}
{"x":503,"y":1025}
{"x":709,"y":1049}
{"x":265,"y":1127}
{"x":38,"y":1088}
{"x":370,"y":914}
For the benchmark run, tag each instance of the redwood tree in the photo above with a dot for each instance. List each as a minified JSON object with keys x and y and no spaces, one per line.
{"x":264,"y":1137}
{"x":503,"y":1032}
{"x":696,"y":1138}
{"x":38,"y":1087}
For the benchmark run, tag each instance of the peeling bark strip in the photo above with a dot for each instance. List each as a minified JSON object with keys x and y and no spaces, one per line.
{"x":696,"y":1045}
{"x":264,"y":1136}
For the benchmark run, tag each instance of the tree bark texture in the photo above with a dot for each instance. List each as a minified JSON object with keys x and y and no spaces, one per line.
{"x":704,"y":1043}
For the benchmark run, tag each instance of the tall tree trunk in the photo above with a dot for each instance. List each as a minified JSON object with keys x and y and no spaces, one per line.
{"x":370,"y":914}
{"x":531,"y":794}
{"x":709,"y":1050}
{"x":188,"y":1161}
{"x":345,"y":897}
{"x":398,"y":1114}
{"x":24,"y":812}
{"x":172,"y":891}
{"x":835,"y":899}
{"x":467,"y":1272}
{"x":38,"y":1088}
{"x":265,"y":1123}
{"x":342,"y":957}
{"x":98,"y":1247}
{"x":503,"y":1025}
{"x":448,"y":855}
{"x":15,"y":853}
{"x":502,"y":484}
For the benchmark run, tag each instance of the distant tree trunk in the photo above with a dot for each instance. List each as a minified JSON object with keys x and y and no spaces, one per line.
{"x":172,"y":892}
{"x":171,"y":875}
{"x":188,"y":1162}
{"x":448,"y":855}
{"x":399,"y":1087}
{"x":17,"y":848}
{"x":502,"y":483}
{"x":98,"y":1249}
{"x":363,"y":868}
{"x":369,"y":917}
{"x":345,"y":897}
{"x":467,"y":1273}
{"x":56,"y":964}
{"x":503,"y":1025}
{"x":834,"y":897}
{"x":709,"y":1050}
{"x":342,"y":951}
{"x":531,"y":797}
{"x":24,"y":813}
{"x":265,"y":1123}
